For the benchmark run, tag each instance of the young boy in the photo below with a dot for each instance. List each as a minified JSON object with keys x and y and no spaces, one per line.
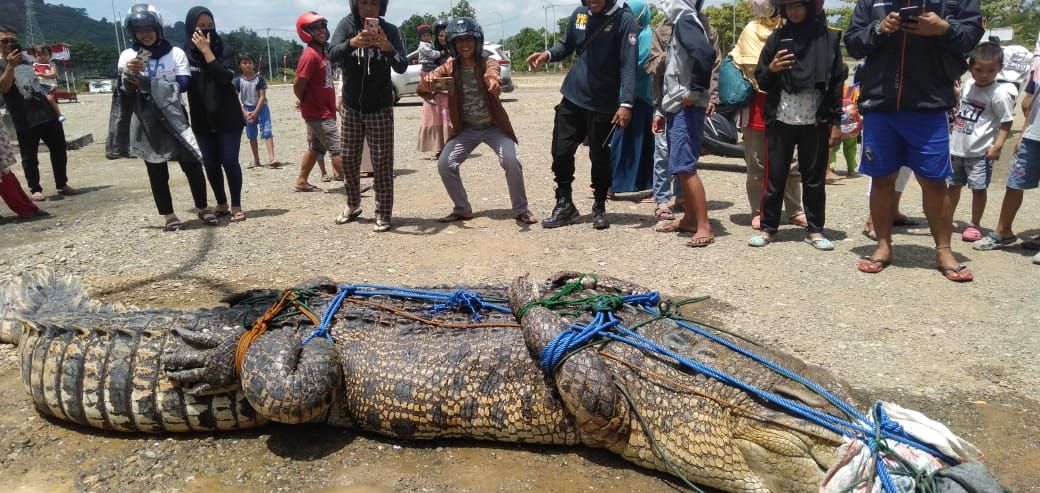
{"x":477,"y":117}
{"x":1024,"y":175}
{"x":317,"y":95}
{"x":851,"y":127}
{"x":47,"y":76}
{"x":981,"y":124}
{"x":252,"y":95}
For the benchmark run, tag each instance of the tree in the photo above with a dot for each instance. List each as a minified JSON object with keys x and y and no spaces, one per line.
{"x":409,"y":32}
{"x":729,"y":20}
{"x":462,"y":9}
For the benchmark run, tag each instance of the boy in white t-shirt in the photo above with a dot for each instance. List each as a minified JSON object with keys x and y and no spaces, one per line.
{"x":982,"y":122}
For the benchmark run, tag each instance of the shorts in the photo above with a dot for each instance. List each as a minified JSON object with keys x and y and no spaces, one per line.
{"x":917,"y":140}
{"x":975,"y":172}
{"x":1025,"y":170}
{"x":685,"y":137}
{"x":324,"y":137}
{"x":262,"y":126}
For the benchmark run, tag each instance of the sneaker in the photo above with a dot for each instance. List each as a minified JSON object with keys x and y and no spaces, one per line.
{"x":993,"y":242}
{"x":381,"y":227}
{"x":67,"y":190}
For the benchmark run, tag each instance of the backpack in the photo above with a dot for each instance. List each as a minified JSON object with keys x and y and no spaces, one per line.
{"x":734,"y":89}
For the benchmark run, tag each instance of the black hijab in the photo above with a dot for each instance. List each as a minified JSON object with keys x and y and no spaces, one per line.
{"x":813,"y":55}
{"x":216,"y":45}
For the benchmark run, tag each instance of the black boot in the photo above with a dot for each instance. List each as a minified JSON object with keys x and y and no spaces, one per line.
{"x":599,"y":215}
{"x":563,"y":214}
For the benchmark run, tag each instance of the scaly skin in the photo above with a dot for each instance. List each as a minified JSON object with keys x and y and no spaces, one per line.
{"x":409,"y":379}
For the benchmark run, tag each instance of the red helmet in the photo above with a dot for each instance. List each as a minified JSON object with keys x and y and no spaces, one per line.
{"x":305,"y":19}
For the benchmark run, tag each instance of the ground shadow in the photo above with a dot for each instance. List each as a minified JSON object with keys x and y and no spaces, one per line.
{"x":79,"y":191}
{"x":508,"y":100}
{"x":915,"y":256}
{"x":405,"y":104}
{"x":307,"y":441}
{"x":719,"y":166}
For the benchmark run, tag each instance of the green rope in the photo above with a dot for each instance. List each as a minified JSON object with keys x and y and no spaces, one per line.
{"x":556,"y":299}
{"x":303,"y":295}
{"x":653,"y":441}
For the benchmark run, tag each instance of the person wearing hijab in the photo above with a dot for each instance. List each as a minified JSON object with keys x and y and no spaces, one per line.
{"x":632,"y":148}
{"x":745,"y":55}
{"x":216,"y":118}
{"x":434,"y":121}
{"x":803,"y":74}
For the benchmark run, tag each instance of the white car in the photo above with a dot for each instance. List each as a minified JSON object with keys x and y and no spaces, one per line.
{"x":405,"y":84}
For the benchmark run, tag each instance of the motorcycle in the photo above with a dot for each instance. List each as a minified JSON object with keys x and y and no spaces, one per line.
{"x":722,"y":134}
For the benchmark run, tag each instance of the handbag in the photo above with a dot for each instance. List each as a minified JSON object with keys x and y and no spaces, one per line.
{"x":734,"y":89}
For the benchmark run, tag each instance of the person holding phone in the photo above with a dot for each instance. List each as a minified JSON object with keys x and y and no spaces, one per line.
{"x":367,"y":47}
{"x":910,"y":65}
{"x":34,"y":119}
{"x":803,"y":74}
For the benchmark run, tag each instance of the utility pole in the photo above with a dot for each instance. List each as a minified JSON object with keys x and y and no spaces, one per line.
{"x":270,"y":69}
{"x":733,"y":34}
{"x":501,"y":24}
{"x":33,"y":34}
{"x":115,"y":22}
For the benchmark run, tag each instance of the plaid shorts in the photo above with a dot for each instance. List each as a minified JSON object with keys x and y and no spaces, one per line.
{"x":324,"y":137}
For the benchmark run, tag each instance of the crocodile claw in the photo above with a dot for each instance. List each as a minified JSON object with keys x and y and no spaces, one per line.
{"x":202,"y":362}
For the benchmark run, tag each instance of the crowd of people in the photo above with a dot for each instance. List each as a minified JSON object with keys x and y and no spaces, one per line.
{"x":637,"y":95}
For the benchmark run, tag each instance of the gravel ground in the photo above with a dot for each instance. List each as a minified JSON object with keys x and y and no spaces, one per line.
{"x":965,"y":354}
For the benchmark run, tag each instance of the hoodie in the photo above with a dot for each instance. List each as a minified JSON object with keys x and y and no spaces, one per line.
{"x":212,"y":99}
{"x":691,"y":58}
{"x":367,"y":87}
{"x":607,"y":65}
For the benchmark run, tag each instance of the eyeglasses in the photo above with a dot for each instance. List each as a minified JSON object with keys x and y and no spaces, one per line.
{"x":8,"y":41}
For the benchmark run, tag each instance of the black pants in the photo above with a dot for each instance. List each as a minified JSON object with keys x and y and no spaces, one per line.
{"x":573,"y":124}
{"x":813,"y":153}
{"x":159,"y":177}
{"x":52,"y":134}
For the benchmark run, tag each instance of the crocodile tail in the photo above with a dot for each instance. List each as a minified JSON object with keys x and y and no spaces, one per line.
{"x":24,"y":297}
{"x":291,"y":382}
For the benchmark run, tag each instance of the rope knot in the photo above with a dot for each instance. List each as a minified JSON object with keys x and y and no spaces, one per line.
{"x":606,"y":303}
{"x":465,"y":299}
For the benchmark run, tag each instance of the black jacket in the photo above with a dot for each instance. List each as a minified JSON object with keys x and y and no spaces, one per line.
{"x":367,"y":86}
{"x":607,"y":67}
{"x":25,"y":99}
{"x":212,"y":99}
{"x":906,"y":72}
{"x":829,"y":110}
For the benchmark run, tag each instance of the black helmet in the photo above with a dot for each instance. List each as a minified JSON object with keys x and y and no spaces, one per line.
{"x":383,"y":4}
{"x":462,"y":27}
{"x":439,"y":26}
{"x":143,"y":15}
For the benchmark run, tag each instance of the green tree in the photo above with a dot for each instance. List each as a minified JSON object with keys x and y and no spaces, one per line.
{"x":729,"y":20}
{"x":461,"y":9}
{"x":409,"y":32}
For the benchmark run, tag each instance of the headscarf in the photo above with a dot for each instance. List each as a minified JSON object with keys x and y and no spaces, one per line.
{"x":158,"y":49}
{"x":641,"y":11}
{"x":812,"y":59}
{"x":674,"y":9}
{"x":753,"y":38}
{"x":216,"y":44}
{"x":763,"y":9}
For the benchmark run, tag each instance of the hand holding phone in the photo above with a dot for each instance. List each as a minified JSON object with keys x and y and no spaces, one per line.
{"x":909,"y":14}
{"x":787,"y":44}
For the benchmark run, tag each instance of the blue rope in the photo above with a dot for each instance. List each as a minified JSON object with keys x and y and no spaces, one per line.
{"x":323,"y":330}
{"x":880,"y":428}
{"x":461,"y":298}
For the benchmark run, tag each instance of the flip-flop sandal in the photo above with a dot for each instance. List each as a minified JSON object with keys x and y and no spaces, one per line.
{"x":871,"y":265}
{"x":673,"y":228}
{"x":346,"y":217}
{"x":971,"y":234}
{"x":870,"y":234}
{"x":527,"y":218}
{"x":238,"y":217}
{"x":450,"y":218}
{"x":956,"y":274}
{"x":326,"y":178}
{"x":647,"y":199}
{"x":664,"y":213}
{"x":700,"y":241}
{"x":221,"y":213}
{"x":306,"y":188}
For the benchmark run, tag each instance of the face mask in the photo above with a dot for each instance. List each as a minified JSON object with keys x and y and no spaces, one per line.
{"x":209,"y":32}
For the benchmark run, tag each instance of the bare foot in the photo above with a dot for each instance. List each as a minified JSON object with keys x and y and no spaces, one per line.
{"x":799,"y":220}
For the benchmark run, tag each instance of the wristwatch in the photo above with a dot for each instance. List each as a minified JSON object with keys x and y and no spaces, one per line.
{"x":877,"y":29}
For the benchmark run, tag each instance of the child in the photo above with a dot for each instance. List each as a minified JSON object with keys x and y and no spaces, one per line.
{"x":1024,"y":175}
{"x":802,"y":71}
{"x":315,"y":91}
{"x":47,"y":76}
{"x":851,"y":126}
{"x":981,"y":125}
{"x":434,"y":122}
{"x":153,"y":58}
{"x":252,"y":94}
{"x":477,"y":117}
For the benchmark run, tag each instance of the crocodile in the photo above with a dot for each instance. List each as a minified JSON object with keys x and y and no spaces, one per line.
{"x":409,"y":377}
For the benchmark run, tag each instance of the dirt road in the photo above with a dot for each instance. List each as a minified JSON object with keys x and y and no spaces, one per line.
{"x":964,"y":354}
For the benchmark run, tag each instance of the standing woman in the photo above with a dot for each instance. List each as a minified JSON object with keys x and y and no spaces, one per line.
{"x":803,"y":74}
{"x":434,"y":121}
{"x":632,"y":148}
{"x":216,"y":117}
{"x":154,"y":73}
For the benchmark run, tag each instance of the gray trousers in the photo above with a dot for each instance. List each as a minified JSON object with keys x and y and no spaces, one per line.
{"x":461,"y":146}
{"x":755,"y":157}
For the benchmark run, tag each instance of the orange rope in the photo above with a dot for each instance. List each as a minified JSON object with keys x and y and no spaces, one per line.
{"x":404,"y":314}
{"x":260,"y":326}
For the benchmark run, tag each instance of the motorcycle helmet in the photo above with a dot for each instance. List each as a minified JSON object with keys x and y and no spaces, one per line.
{"x":810,"y":5}
{"x":143,"y":15}
{"x":306,"y":19}
{"x":462,"y":27}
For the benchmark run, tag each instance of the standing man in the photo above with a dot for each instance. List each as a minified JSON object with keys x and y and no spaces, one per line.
{"x":366,"y":47}
{"x":912,"y":60}
{"x":34,"y":119}
{"x":602,"y":33}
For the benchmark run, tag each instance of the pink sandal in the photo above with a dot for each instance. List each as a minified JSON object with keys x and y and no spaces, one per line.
{"x":971,"y":234}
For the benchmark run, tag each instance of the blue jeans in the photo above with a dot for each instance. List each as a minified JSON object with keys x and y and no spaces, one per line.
{"x":220,"y":156}
{"x":663,"y":180}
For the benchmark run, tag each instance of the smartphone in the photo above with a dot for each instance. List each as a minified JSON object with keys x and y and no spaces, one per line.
{"x":787,"y":44}
{"x":909,"y":14}
{"x":16,"y":46}
{"x":144,"y":55}
{"x":372,"y":24}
